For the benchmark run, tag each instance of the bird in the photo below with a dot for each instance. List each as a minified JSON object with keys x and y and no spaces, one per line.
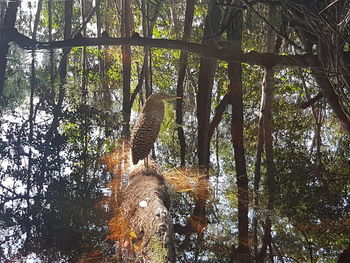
{"x":147,"y":126}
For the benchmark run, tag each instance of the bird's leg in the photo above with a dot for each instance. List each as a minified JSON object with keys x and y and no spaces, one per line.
{"x":146,"y":162}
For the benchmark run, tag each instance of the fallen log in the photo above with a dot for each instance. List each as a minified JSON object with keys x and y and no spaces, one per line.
{"x":144,"y":208}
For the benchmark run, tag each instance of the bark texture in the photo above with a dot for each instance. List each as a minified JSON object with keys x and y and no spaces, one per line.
{"x":146,"y":207}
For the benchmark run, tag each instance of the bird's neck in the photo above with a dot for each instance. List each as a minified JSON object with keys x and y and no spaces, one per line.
{"x":155,"y":108}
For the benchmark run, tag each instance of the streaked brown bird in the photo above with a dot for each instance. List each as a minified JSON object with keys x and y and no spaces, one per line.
{"x":147,"y":126}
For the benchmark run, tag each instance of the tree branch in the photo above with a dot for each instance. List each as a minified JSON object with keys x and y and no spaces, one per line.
{"x":15,"y":195}
{"x":139,"y":84}
{"x":231,"y":55}
{"x":219,"y":111}
{"x":269,"y":24}
{"x":311,"y":101}
{"x":332,"y":98}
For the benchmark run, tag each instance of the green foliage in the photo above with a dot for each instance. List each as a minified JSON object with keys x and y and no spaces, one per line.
{"x":16,"y":85}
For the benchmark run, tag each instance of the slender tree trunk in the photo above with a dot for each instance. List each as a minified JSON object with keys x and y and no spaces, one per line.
{"x":126,"y":53}
{"x":270,"y":174}
{"x":180,"y":82}
{"x":212,"y":33}
{"x":68,"y":10}
{"x":84,"y":101}
{"x":149,"y":14}
{"x":267,"y":97}
{"x":37,"y":18}
{"x":257,"y":178}
{"x":145,"y":29}
{"x":31,"y":119}
{"x":68,"y":14}
{"x":205,"y":84}
{"x":105,"y":96}
{"x":33,"y":84}
{"x":241,"y":173}
{"x":266,"y":115}
{"x":51,"y":65}
{"x":9,"y":23}
{"x":234,"y":34}
{"x":317,"y":115}
{"x":3,"y":7}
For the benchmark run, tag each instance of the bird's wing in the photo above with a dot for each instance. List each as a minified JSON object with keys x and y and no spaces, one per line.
{"x":144,"y":135}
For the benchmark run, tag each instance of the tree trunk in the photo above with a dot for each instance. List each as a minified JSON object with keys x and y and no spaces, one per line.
{"x":9,"y":23}
{"x":37,"y":18}
{"x":257,"y":178}
{"x":180,"y":82}
{"x":241,"y":173}
{"x":63,"y":79}
{"x":51,"y":65}
{"x":104,"y":65}
{"x":234,"y":34}
{"x":126,"y":57}
{"x":205,"y":86}
{"x":147,"y":32}
{"x":266,"y":115}
{"x":212,"y":33}
{"x":344,"y":256}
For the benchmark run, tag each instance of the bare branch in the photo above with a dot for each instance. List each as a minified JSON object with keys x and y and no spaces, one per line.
{"x":268,"y":23}
{"x":219,"y":111}
{"x":231,"y":55}
{"x":15,"y":195}
{"x":311,"y":101}
{"x":139,"y":84}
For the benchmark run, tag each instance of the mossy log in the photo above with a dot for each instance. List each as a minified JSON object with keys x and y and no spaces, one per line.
{"x":146,"y":207}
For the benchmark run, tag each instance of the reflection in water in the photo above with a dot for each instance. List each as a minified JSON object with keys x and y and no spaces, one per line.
{"x":51,"y":184}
